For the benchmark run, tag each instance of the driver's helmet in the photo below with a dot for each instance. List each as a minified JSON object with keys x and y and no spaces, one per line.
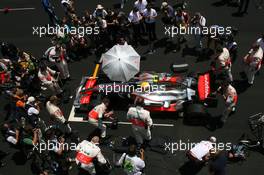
{"x":144,"y":85}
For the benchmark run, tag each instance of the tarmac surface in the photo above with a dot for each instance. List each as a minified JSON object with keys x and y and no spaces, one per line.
{"x":16,"y":27}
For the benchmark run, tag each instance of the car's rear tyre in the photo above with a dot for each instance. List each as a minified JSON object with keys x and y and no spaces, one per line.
{"x":195,"y":113}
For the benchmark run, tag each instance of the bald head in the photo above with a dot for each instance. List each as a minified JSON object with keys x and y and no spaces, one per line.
{"x":95,"y":140}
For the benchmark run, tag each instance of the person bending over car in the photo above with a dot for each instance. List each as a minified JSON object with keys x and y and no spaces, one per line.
{"x":200,"y":153}
{"x":96,"y":115}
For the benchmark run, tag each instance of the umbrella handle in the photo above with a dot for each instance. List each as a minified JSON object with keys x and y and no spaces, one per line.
{"x":96,"y":69}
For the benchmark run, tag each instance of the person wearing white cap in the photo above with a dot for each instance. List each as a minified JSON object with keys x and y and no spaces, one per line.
{"x":33,"y":109}
{"x":99,"y":12}
{"x":201,"y":151}
{"x":168,"y":13}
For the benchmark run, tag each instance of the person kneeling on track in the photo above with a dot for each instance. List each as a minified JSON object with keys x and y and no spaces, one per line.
{"x":96,"y":115}
{"x":141,"y":123}
{"x":200,"y":153}
{"x":87,"y":152}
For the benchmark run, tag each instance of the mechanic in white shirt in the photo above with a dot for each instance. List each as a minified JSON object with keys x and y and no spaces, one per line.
{"x":141,"y":5}
{"x":131,"y":163}
{"x":96,"y":115}
{"x":223,"y":63}
{"x":252,"y":62}
{"x":87,"y":152}
{"x":141,"y":122}
{"x":201,"y":151}
{"x":230,"y":96}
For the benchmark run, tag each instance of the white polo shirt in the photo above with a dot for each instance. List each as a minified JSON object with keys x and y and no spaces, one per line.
{"x":201,"y":149}
{"x":131,"y":165}
{"x":134,"y":17}
{"x":141,"y":6}
{"x":152,"y":14}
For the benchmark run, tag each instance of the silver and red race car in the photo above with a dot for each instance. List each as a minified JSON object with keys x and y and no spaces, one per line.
{"x":158,"y":91}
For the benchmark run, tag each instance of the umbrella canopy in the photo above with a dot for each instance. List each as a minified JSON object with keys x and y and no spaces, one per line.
{"x":121,"y":63}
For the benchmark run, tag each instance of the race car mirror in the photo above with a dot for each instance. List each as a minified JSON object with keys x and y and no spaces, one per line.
{"x":166,"y":104}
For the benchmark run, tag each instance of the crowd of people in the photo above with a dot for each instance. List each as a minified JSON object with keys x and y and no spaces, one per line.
{"x":36,"y":85}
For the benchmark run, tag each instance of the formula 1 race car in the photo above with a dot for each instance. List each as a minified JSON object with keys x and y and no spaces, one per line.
{"x":159,"y":92}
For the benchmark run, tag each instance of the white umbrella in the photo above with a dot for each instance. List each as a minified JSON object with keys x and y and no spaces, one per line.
{"x":121,"y":63}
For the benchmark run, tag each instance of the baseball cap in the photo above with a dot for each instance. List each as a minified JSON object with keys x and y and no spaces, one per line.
{"x":31,"y":99}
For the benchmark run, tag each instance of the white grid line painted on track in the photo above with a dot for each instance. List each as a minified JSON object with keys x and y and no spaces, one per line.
{"x":72,"y":118}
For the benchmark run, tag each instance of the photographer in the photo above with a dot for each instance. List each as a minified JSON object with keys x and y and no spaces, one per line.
{"x":29,"y":137}
{"x":131,"y":163}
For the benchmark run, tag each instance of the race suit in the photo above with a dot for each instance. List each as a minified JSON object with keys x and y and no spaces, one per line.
{"x":141,"y":123}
